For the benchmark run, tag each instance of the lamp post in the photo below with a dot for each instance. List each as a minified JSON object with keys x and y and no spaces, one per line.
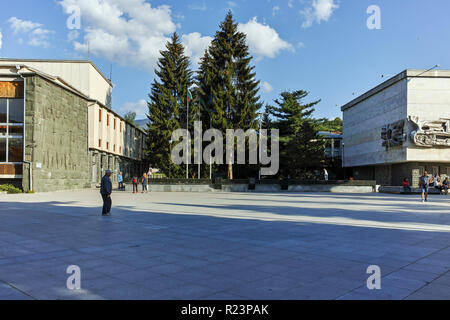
{"x":170,"y":164}
{"x":187,"y":140}
{"x":210,"y":111}
{"x":261,"y":114}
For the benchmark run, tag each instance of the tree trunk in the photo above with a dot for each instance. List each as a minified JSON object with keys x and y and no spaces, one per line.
{"x":230,"y":171}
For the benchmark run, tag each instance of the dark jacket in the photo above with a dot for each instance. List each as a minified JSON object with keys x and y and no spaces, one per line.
{"x":106,"y":185}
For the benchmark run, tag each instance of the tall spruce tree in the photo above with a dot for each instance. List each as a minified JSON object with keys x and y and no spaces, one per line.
{"x":300,"y":150}
{"x":227,"y":82}
{"x":167,"y":108}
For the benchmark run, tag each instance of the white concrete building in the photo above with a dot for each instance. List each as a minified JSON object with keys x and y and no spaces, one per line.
{"x":399,"y":128}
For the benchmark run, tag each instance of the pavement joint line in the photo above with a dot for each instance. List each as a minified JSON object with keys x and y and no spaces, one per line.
{"x":402,"y":268}
{"x":21,"y":291}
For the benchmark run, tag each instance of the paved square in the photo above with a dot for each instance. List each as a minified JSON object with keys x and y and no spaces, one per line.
{"x":224,"y":246}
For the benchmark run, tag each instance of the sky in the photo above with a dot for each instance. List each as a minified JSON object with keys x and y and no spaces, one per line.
{"x":334,"y":49}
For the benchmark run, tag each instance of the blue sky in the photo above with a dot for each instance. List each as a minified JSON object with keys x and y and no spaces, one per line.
{"x":321,"y":46}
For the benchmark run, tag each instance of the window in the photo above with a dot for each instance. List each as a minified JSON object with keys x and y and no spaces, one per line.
{"x":11,"y":130}
{"x":120,"y":150}
{"x":107,"y":146}
{"x":15,"y":150}
{"x":100,"y":115}
{"x":121,"y":127}
{"x":99,"y":143}
{"x":3,"y":110}
{"x":114,"y":124}
{"x":16,"y":111}
{"x":114,"y":148}
{"x":2,"y":150}
{"x":107,"y":120}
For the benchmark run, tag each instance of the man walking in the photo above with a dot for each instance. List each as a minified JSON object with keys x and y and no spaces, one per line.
{"x":105,"y":191}
{"x":424,"y":184}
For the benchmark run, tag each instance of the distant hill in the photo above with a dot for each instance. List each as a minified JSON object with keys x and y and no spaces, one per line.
{"x":141,"y":123}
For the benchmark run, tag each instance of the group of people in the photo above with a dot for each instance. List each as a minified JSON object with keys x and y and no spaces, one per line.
{"x":425,"y":182}
{"x":106,"y":188}
{"x":143,"y":180}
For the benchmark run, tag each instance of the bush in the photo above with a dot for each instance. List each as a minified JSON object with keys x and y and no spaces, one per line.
{"x":10,"y":188}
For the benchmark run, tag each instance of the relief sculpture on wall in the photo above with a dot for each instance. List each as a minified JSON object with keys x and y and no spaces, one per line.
{"x":434,"y":133}
{"x":393,"y":134}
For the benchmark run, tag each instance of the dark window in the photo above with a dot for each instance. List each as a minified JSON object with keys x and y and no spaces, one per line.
{"x":15,"y":150}
{"x":2,"y":150}
{"x":15,"y":111}
{"x":3,"y":104}
{"x":100,"y":115}
{"x":2,"y":130}
{"x":15,"y":131}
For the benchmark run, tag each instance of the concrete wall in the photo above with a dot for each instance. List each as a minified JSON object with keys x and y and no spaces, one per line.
{"x":81,"y":75}
{"x":429,"y":99}
{"x":56,"y":137}
{"x":363,"y":123}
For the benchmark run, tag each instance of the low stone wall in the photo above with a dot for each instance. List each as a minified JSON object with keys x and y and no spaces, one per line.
{"x":399,"y":190}
{"x":331,"y":188}
{"x":182,"y":185}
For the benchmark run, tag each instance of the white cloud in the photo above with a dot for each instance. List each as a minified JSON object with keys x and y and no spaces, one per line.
{"x":263,"y":41}
{"x":320,"y":10}
{"x":73,"y":35}
{"x":275,"y":10}
{"x":37,"y":35}
{"x":140,"y":107}
{"x":130,"y":32}
{"x":200,"y":7}
{"x":22,"y":26}
{"x":195,"y":45}
{"x":1,"y":40}
{"x":266,"y":87}
{"x":231,"y":4}
{"x":290,"y":4}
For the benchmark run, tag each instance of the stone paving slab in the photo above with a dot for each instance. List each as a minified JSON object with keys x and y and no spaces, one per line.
{"x":224,"y":246}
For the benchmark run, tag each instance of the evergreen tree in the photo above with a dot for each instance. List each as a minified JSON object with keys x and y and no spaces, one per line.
{"x":130,"y":117}
{"x":300,"y":148}
{"x":227,"y":82}
{"x":168,"y":105}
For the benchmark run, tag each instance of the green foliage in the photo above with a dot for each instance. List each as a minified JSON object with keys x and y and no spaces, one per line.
{"x":168,"y":105}
{"x":325,"y":124}
{"x":10,"y":188}
{"x":130,"y":117}
{"x":300,"y":148}
{"x":226,"y":81}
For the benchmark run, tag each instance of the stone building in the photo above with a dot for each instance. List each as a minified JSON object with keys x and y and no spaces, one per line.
{"x":399,"y":128}
{"x":50,"y":135}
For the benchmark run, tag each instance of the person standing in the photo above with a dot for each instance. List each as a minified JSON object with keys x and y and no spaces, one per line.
{"x":424,"y":184}
{"x":445,"y":185}
{"x":135,"y":184}
{"x":105,"y":191}
{"x":120,"y":180}
{"x":144,"y":181}
{"x":325,"y":174}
